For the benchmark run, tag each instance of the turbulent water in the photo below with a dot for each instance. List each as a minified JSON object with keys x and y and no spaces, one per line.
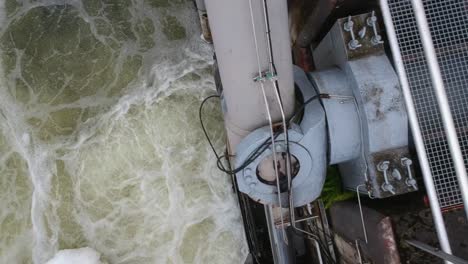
{"x":100,"y":144}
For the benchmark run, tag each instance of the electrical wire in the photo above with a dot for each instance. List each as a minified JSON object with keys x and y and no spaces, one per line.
{"x":259,"y":150}
{"x":303,"y":105}
{"x":219,"y":158}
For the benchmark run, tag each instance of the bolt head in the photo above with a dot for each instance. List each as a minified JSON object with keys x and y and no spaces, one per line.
{"x":376,"y":40}
{"x":252,"y":185}
{"x":406,"y":162}
{"x":411,"y":182}
{"x":354,"y":44}
{"x":348,"y":25}
{"x":371,"y":21}
{"x":383,"y":165}
{"x":388,"y":188}
{"x":280,"y":148}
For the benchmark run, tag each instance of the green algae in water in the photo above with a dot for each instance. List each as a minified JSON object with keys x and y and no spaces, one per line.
{"x":121,"y":166}
{"x":172,"y":28}
{"x":15,"y":196}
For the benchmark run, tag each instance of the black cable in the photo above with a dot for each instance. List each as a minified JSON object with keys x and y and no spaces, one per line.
{"x":256,"y":153}
{"x":203,"y":126}
{"x":251,"y":158}
{"x":303,"y":105}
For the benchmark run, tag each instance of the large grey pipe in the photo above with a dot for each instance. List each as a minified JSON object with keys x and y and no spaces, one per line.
{"x":232,"y":28}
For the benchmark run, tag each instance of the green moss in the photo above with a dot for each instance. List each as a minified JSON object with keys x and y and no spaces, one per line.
{"x":332,"y":190}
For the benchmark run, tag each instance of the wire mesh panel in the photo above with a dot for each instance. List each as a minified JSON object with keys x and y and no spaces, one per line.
{"x":448,"y":21}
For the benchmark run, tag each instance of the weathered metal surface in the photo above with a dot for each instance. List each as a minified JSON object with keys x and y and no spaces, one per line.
{"x":373,"y":88}
{"x":344,"y":129}
{"x":240,"y":55}
{"x":394,"y":157}
{"x":314,"y":22}
{"x":307,"y":144}
{"x":381,"y":246}
{"x":387,"y":236}
{"x":334,"y":49}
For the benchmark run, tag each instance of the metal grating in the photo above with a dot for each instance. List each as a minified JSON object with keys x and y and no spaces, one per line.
{"x":448,"y":21}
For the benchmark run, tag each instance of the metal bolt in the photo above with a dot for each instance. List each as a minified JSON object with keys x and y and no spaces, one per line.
{"x":372,"y":22}
{"x":248,"y":175}
{"x":376,"y":40}
{"x":386,"y":186}
{"x":354,"y":44}
{"x":383,"y":166}
{"x":280,"y":148}
{"x":252,"y":185}
{"x":248,"y":179}
{"x":348,"y":26}
{"x":410,"y":181}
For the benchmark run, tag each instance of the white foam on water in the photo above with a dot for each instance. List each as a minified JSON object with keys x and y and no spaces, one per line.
{"x":123,"y":170}
{"x":76,"y":256}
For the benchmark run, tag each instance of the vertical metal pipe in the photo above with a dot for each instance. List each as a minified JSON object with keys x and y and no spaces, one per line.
{"x":416,"y":130}
{"x":442,"y":100}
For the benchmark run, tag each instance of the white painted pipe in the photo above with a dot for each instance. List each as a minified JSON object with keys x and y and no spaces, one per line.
{"x":441,"y":95}
{"x":415,"y":129}
{"x":233,"y":38}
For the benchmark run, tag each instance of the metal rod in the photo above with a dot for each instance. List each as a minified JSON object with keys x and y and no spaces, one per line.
{"x":277,"y":93}
{"x":441,"y":95}
{"x":270,"y":121}
{"x":436,"y":252}
{"x":356,"y":242}
{"x":283,"y":118}
{"x":268,"y":37}
{"x":319,"y":253}
{"x":364,"y":229}
{"x":326,"y":228}
{"x":415,"y":129}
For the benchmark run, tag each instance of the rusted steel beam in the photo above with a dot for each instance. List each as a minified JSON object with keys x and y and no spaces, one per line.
{"x":313,"y":25}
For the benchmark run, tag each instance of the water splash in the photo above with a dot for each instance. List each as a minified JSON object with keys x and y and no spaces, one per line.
{"x":100,"y":144}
